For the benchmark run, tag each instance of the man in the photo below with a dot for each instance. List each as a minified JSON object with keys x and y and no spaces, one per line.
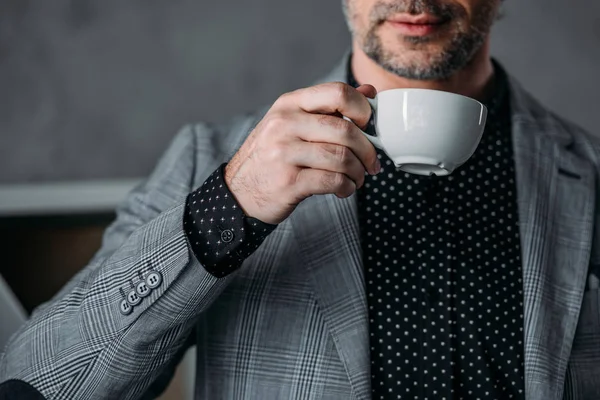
{"x":307,"y":266}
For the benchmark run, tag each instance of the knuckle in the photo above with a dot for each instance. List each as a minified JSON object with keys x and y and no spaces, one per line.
{"x":325,"y":120}
{"x":340,"y":155}
{"x":283,"y":99}
{"x":337,"y":181}
{"x":276,"y":152}
{"x":342,"y":91}
{"x":340,"y":125}
{"x":326,"y":181}
{"x":314,"y":90}
{"x":343,"y":155}
{"x":328,"y":121}
{"x":275,"y":122}
{"x":284,"y":179}
{"x":345,"y":127}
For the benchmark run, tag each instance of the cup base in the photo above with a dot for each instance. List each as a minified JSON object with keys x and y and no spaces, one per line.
{"x":423,"y":166}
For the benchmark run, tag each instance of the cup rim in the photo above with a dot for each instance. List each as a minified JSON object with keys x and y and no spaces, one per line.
{"x":431,"y":90}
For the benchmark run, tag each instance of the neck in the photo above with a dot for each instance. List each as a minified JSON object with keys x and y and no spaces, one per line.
{"x":475,"y":80}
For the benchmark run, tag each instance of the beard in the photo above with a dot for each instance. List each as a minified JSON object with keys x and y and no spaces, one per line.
{"x":435,"y":57}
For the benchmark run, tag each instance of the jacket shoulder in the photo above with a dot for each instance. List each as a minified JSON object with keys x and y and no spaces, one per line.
{"x":529,"y":110}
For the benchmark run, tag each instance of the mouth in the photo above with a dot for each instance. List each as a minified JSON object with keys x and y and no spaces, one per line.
{"x":417,"y":25}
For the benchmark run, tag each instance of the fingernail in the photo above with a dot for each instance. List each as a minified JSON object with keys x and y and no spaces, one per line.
{"x":377,"y":167}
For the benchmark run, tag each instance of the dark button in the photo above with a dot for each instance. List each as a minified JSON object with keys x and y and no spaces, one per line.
{"x":133,"y":298}
{"x":154,"y":279}
{"x":125,"y":307}
{"x":227,"y":236}
{"x":142,"y":289}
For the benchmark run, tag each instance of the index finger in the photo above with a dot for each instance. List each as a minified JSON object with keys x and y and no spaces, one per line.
{"x":333,"y":98}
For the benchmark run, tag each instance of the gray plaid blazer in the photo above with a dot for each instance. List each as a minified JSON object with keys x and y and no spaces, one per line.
{"x":292,"y":322}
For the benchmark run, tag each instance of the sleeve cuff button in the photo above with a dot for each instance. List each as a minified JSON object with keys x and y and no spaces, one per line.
{"x":142,"y":289}
{"x":227,"y":236}
{"x":133,"y":298}
{"x":125,"y":307}
{"x":154,"y":279}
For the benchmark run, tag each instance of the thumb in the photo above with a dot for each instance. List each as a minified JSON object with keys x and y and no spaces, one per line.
{"x":367,"y":90}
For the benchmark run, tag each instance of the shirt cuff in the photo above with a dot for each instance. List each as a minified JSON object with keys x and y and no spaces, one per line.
{"x":220,"y":234}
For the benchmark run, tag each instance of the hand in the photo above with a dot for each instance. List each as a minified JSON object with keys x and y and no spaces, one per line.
{"x":304,"y":147}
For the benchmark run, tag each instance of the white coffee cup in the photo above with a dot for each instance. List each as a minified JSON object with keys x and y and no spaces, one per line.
{"x":427,"y":132}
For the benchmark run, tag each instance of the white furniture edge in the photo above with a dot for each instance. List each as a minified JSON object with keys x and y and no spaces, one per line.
{"x":58,"y":198}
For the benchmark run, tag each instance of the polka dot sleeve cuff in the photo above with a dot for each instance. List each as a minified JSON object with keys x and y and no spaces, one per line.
{"x":220,"y":234}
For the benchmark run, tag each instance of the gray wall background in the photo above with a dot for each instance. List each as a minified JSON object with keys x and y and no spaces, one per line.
{"x":95,"y":89}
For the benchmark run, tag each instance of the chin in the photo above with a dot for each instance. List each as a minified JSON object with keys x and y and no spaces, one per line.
{"x":421,"y":56}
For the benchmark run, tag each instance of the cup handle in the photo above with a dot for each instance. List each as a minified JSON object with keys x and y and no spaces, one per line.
{"x":373,"y":139}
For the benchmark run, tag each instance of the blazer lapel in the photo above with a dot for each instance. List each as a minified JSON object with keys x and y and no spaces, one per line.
{"x":556,"y":196}
{"x":327,"y":231}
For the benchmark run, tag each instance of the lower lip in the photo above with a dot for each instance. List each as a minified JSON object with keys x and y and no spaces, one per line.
{"x":416,"y":29}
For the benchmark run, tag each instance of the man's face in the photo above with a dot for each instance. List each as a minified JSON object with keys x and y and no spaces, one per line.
{"x":421,"y":39}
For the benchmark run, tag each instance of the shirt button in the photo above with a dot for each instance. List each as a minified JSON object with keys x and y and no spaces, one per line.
{"x":154,"y":279}
{"x":142,"y":289}
{"x":133,"y":298}
{"x":125,"y":307}
{"x":227,"y":236}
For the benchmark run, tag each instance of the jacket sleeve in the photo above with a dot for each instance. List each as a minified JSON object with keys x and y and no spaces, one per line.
{"x":85,"y":343}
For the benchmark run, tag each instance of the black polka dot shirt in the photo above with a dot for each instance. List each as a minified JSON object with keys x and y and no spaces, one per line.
{"x":219,"y":233}
{"x":443,"y":274}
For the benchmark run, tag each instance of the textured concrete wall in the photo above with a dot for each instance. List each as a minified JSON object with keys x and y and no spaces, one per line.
{"x":96,"y":88}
